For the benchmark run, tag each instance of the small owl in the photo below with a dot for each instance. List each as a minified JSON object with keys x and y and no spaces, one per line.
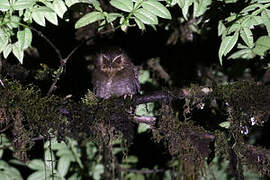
{"x":114,"y":74}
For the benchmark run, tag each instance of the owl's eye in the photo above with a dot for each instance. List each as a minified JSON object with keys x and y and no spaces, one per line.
{"x":118,"y":59}
{"x":106,"y":61}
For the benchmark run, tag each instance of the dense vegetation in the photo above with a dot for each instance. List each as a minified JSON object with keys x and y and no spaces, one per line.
{"x":205,"y":99}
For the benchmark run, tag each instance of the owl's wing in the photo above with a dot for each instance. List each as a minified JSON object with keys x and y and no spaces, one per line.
{"x":100,"y":85}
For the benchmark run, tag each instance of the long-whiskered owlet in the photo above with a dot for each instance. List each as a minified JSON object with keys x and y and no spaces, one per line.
{"x":114,"y":74}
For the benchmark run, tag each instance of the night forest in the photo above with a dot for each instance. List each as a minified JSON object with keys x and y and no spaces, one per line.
{"x":200,"y":108}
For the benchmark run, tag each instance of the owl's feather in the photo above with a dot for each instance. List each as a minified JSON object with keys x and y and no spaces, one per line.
{"x":114,"y":74}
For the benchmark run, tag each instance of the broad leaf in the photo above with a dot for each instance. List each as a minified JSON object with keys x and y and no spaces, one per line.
{"x":228,"y":42}
{"x":124,"y":5}
{"x":63,"y":165}
{"x":247,"y":37}
{"x":243,"y":53}
{"x":262,"y":45}
{"x":89,"y":18}
{"x":184,"y":5}
{"x":221,"y":28}
{"x":140,"y":24}
{"x":18,"y":52}
{"x":112,"y":16}
{"x":59,"y":7}
{"x":7,"y":50}
{"x":51,"y":17}
{"x":251,"y":8}
{"x":4,"y":5}
{"x":266,"y":20}
{"x":71,"y":2}
{"x":157,"y":9}
{"x":24,"y":38}
{"x":36,"y":164}
{"x":23,"y":4}
{"x":145,"y":16}
{"x":39,"y":14}
{"x":3,"y":40}
{"x":200,"y":6}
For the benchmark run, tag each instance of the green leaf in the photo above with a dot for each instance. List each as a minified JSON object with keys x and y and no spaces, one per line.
{"x":14,"y":22}
{"x":88,"y":19}
{"x":157,"y":9}
{"x":262,"y":45}
{"x":4,"y":5}
{"x":140,"y":24}
{"x":24,"y":38}
{"x":251,"y":8}
{"x":113,"y":16}
{"x":7,"y":50}
{"x":225,"y":124}
{"x":243,"y":53}
{"x":221,"y":28}
{"x":59,"y":7}
{"x":180,"y":3}
{"x":145,"y":109}
{"x":247,"y":36}
{"x":40,"y":175}
{"x":145,"y":16}
{"x":266,"y":20}
{"x":36,"y":164}
{"x":51,"y":17}
{"x":38,"y":15}
{"x":9,"y":172}
{"x":143,"y":128}
{"x":200,"y":6}
{"x":18,"y":51}
{"x":228,"y":42}
{"x":256,"y":20}
{"x":98,"y":170}
{"x":71,"y":2}
{"x":63,"y":165}
{"x":126,"y":5}
{"x":3,"y":40}
{"x":185,"y":6}
{"x":23,"y":4}
{"x":233,"y":28}
{"x":130,"y":159}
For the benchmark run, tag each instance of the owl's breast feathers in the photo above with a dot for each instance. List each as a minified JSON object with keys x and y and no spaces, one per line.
{"x":114,"y":75}
{"x":124,"y":82}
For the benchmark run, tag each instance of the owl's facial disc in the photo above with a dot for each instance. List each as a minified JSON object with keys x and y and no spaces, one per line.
{"x":118,"y":59}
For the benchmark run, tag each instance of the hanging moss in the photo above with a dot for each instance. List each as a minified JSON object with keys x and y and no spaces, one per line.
{"x":26,"y":115}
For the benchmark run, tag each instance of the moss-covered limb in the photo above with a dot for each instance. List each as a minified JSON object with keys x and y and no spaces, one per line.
{"x":256,"y":158}
{"x":25,"y":115}
{"x":190,"y":143}
{"x":250,"y":102}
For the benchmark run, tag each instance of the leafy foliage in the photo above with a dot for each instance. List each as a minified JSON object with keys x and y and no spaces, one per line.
{"x":238,"y":28}
{"x":239,"y":38}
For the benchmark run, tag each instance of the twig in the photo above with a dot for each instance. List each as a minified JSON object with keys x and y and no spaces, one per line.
{"x":48,"y":41}
{"x":64,"y":61}
{"x":160,"y":96}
